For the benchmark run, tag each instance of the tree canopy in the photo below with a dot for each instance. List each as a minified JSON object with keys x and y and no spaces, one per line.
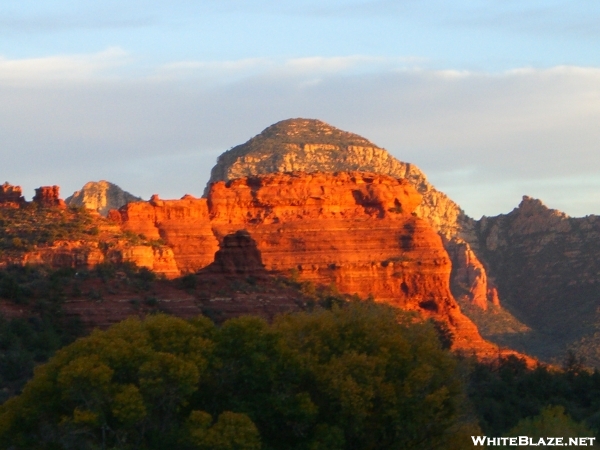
{"x":360,"y":377}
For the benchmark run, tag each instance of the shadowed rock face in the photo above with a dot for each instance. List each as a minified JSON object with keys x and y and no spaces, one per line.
{"x":101,"y":196}
{"x":547,"y":266}
{"x":238,"y":255}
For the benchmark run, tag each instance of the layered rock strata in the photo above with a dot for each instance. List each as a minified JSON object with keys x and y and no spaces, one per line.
{"x":356,"y":230}
{"x":313,"y":146}
{"x":105,"y":244}
{"x":184,"y":225}
{"x":548,"y":268}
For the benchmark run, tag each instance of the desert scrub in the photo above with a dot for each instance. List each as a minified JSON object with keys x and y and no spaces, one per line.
{"x":31,"y":226}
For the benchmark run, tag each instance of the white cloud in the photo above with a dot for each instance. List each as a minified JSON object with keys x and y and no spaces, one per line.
{"x":227,"y":71}
{"x":524,"y":131}
{"x":61,"y":67}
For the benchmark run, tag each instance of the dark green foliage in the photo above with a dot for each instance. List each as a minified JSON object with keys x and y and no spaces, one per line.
{"x":24,"y":284}
{"x":552,"y":421}
{"x":361,"y":377}
{"x":25,"y":343}
{"x":444,"y":333}
{"x":504,"y":394}
{"x":318,"y":295}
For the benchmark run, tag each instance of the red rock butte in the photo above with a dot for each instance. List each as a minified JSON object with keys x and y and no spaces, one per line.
{"x":354,"y":229}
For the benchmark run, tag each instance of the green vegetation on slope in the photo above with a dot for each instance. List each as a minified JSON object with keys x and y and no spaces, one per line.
{"x":43,"y":328}
{"x":506,"y":394}
{"x":350,"y":378}
{"x":30,"y":226}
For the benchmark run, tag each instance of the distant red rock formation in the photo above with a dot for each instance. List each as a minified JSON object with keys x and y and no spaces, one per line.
{"x":49,"y":197}
{"x":11,"y":195}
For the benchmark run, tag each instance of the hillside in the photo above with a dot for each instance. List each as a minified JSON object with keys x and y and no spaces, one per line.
{"x":46,"y":231}
{"x":528,"y":279}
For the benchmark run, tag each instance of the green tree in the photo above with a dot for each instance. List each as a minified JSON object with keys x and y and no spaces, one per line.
{"x":552,"y":421}
{"x":377,"y":376}
{"x":363,"y":376}
{"x":127,"y":385}
{"x":232,"y":431}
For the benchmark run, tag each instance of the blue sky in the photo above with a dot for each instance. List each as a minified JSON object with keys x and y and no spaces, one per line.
{"x":491,"y":99}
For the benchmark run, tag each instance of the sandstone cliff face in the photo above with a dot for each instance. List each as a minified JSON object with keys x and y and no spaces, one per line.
{"x":307,"y":145}
{"x":313,"y":146}
{"x":101,"y":196}
{"x":353,"y":229}
{"x":356,"y":230}
{"x":184,"y":225}
{"x":547,"y":266}
{"x":469,"y":276}
{"x":87,"y":255}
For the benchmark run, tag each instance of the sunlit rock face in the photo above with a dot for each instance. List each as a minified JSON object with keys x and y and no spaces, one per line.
{"x":184,"y":225}
{"x":49,"y":197}
{"x":101,"y":196}
{"x":355,"y":229}
{"x":11,"y":196}
{"x":309,"y":145}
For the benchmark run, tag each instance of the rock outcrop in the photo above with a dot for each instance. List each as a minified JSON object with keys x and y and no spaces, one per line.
{"x":469,"y":276}
{"x":101,"y":196}
{"x":184,"y":225}
{"x":238,"y":255}
{"x":313,"y":146}
{"x":356,"y":230}
{"x":49,"y":197}
{"x":308,"y":145}
{"x":11,"y":195}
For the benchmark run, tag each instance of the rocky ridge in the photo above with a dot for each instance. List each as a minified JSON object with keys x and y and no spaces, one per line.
{"x":547,"y":267}
{"x":101,"y":196}
{"x":48,"y":197}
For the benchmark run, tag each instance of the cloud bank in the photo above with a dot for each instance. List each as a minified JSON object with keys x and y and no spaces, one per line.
{"x":484,"y":138}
